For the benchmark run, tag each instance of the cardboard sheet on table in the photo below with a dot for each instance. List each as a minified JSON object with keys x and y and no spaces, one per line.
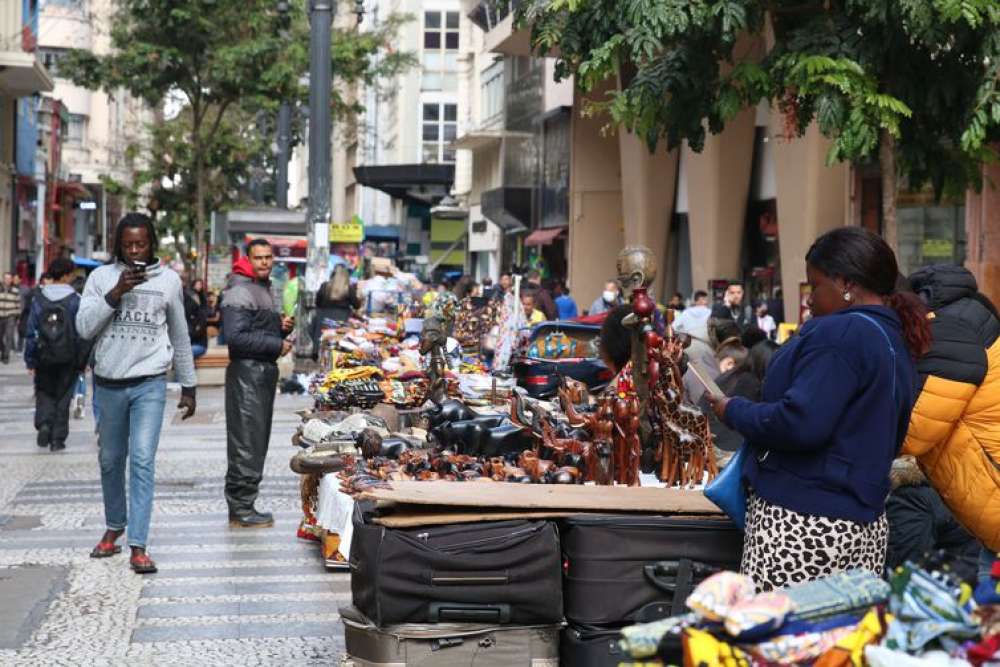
{"x":411,"y":516}
{"x":573,"y":498}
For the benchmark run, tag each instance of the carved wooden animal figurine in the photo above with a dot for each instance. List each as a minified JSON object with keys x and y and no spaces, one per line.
{"x":686,"y":450}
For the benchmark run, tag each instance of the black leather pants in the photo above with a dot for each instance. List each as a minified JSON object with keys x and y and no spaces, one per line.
{"x":250,"y":388}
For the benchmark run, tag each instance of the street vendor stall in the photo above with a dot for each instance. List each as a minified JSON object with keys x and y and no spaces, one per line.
{"x":412,"y":434}
{"x":485,"y":526}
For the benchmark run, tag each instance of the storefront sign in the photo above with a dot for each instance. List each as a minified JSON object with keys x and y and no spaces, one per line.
{"x":347,"y":232}
{"x":942,"y":248}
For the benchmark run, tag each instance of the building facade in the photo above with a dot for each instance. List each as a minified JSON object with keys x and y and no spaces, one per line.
{"x":97,"y":130}
{"x":22,"y":79}
{"x":745,"y":208}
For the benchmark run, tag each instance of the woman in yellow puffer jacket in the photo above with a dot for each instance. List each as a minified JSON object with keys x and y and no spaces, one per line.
{"x":955,"y":426}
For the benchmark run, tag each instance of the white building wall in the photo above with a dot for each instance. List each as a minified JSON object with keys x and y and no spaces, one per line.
{"x":102,"y":125}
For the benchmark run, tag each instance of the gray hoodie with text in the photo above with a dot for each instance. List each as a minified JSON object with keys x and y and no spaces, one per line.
{"x":144,"y":334}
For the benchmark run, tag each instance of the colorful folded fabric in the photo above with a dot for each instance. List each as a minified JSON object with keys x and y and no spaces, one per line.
{"x":798,"y":649}
{"x":927,"y":609}
{"x":714,"y":597}
{"x":643,"y":640}
{"x":849,"y":650}
{"x":985,"y":651}
{"x":988,"y":592}
{"x":837,"y":594}
{"x":704,"y":650}
{"x":758,"y":616}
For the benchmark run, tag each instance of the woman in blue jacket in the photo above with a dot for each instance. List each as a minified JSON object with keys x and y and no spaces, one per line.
{"x":835,"y":407}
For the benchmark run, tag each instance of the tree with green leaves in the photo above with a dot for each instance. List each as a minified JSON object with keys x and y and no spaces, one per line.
{"x":912,"y":83}
{"x":213,"y":69}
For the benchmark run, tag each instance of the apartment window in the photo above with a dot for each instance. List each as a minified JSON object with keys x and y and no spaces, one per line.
{"x":51,"y":58}
{"x":439,"y":127}
{"x":440,"y":56}
{"x":492,"y":92}
{"x":76,"y":129}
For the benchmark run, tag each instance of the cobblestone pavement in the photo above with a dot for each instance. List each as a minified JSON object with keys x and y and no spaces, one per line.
{"x":222,"y":596}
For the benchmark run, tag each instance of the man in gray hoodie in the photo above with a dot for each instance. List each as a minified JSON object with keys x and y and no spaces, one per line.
{"x":54,"y":353}
{"x":134,"y":312}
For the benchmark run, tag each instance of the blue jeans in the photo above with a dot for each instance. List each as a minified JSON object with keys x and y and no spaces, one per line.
{"x":131,"y":418}
{"x":198,"y":350}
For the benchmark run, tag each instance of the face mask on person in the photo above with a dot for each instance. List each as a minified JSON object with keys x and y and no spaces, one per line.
{"x":609,"y":296}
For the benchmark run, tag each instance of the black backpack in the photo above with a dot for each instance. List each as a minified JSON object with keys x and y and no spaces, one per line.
{"x":56,"y":334}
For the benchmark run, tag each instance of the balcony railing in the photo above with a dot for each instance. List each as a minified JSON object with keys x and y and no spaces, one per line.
{"x":490,"y":13}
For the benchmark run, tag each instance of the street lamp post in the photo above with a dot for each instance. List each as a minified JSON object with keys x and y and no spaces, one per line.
{"x":320,"y":129}
{"x":284,"y":127}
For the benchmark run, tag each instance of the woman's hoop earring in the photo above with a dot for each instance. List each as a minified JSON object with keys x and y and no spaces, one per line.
{"x":847,"y":296}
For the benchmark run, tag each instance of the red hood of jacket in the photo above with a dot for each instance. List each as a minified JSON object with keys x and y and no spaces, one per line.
{"x":243,"y":267}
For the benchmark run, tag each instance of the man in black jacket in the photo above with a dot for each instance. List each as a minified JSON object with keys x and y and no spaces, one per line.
{"x":733,"y":308}
{"x":255,"y":333}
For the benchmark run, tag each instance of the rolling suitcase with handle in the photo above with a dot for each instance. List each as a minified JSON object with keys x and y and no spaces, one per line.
{"x":622,"y":569}
{"x":498,"y":572}
{"x":447,"y":644}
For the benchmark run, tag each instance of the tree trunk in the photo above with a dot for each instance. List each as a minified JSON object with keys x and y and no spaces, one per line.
{"x":199,"y":225}
{"x":887,"y":162}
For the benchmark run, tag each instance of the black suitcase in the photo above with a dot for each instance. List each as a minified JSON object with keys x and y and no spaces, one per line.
{"x":622,"y":569}
{"x":582,"y":646}
{"x":499,"y":572}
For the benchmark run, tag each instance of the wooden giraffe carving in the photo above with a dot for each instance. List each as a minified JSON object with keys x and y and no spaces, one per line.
{"x":686,"y":451}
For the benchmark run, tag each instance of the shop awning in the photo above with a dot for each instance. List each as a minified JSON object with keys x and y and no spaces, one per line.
{"x":382,"y":232}
{"x":543,"y":236}
{"x":74,"y":189}
{"x":509,"y":208}
{"x":265,"y":221}
{"x":423,"y":184}
{"x":22,"y":75}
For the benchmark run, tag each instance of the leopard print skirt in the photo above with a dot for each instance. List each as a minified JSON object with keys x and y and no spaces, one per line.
{"x":782,"y":547}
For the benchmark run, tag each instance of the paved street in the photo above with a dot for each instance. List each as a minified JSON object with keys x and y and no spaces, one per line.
{"x":222,"y":596}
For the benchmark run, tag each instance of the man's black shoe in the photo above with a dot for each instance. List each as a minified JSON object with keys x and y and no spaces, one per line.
{"x":58,"y":446}
{"x":252,"y":519}
{"x":42,"y":440}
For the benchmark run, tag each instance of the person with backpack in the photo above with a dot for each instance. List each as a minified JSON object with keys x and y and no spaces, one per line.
{"x":54,"y":353}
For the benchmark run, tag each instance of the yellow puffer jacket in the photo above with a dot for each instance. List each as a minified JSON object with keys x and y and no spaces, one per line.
{"x":955,"y":425}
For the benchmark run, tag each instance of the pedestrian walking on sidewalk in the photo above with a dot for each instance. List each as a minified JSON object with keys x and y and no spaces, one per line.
{"x":133,"y":310}
{"x":10,"y":310}
{"x":54,"y":353}
{"x":255,"y":332}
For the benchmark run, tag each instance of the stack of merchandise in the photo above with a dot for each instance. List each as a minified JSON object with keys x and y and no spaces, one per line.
{"x":919,"y":617}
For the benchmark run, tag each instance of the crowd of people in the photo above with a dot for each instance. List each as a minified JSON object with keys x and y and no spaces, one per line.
{"x":885,"y":366}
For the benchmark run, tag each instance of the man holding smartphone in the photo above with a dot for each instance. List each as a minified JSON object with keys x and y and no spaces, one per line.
{"x":134,"y":312}
{"x":255,"y":332}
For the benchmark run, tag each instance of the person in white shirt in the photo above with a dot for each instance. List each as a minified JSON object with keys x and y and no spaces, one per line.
{"x":764,"y":321}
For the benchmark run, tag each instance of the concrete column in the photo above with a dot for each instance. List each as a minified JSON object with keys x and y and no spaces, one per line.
{"x":812,"y":198}
{"x":982,"y":229}
{"x":648,"y":184}
{"x":718,"y":185}
{"x":596,"y":229}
